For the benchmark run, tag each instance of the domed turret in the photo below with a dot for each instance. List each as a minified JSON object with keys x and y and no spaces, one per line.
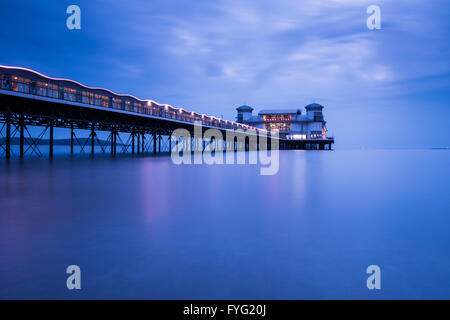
{"x":314,"y":106}
{"x":244,"y":113}
{"x":314,"y":111}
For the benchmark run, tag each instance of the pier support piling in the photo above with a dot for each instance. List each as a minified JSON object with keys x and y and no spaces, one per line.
{"x":8,"y":137}
{"x":21,"y":125}
{"x":92,"y":140}
{"x":114,"y":142}
{"x":138,"y":136}
{"x":51,"y":140}
{"x":170,"y":143}
{"x":71,"y":139}
{"x":159,"y":143}
{"x":132,"y":143}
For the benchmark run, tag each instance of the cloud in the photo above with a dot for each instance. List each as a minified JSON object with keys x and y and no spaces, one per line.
{"x":265,"y":47}
{"x":214,"y":55}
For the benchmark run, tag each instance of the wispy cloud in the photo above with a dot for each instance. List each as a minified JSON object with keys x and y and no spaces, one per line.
{"x":214,"y":55}
{"x":269,"y":46}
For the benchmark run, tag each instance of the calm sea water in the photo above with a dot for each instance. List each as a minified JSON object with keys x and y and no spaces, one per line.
{"x":143,"y":228}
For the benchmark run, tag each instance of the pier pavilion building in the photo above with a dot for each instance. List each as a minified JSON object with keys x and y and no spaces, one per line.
{"x":290,"y":123}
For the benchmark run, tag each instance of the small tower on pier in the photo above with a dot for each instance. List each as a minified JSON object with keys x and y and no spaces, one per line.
{"x":244,"y":113}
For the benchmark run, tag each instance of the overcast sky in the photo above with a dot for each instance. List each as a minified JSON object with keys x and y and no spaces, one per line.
{"x":380,"y":88}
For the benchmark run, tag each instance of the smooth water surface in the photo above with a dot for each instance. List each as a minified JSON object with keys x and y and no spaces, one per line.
{"x":144,"y":228}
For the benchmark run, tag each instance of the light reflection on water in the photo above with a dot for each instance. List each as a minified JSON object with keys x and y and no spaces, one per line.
{"x":147,"y":229}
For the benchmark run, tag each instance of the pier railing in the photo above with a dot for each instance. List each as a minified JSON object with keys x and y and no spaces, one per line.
{"x":77,"y":93}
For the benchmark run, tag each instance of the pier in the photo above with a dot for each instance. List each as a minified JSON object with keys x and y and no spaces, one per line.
{"x":29,"y":98}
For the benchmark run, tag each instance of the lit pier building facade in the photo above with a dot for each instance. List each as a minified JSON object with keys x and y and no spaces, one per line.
{"x":291,"y":124}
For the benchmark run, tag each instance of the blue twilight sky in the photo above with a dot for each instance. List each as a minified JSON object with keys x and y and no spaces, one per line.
{"x":382,"y":88}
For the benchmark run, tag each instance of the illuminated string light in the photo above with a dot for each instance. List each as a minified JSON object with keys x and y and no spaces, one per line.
{"x":148,"y":102}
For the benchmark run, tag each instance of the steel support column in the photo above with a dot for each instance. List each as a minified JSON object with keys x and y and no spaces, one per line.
{"x":8,"y":137}
{"x":112,"y":142}
{"x":21,"y":124}
{"x":71,"y":139}
{"x":138,"y":143}
{"x":154,"y":143}
{"x":92,"y":140}
{"x":50,"y":149}
{"x":115,"y":142}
